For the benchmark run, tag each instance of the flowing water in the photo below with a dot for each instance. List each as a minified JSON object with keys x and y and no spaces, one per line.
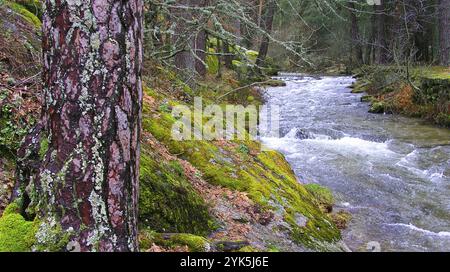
{"x":392,"y":173}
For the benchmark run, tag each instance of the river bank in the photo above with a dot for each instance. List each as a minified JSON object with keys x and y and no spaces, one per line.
{"x":420,"y":92}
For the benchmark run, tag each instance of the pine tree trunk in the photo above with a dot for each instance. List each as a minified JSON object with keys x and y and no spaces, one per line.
{"x":267,"y":23}
{"x":444,"y":32}
{"x":86,"y":187}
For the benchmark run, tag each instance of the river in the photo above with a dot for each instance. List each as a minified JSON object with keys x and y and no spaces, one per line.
{"x":390,"y":172}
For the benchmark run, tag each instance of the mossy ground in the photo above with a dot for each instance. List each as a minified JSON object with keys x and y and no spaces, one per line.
{"x":241,"y":165}
{"x":24,"y":11}
{"x":425,"y":95}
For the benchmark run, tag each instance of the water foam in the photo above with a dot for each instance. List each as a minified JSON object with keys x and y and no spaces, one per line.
{"x":415,"y":228}
{"x":353,"y":145}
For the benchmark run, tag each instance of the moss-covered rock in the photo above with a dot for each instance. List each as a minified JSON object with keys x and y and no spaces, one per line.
{"x":377,"y":107}
{"x":168,"y":202}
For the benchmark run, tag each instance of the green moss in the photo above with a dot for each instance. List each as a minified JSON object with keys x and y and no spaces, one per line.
{"x":34,"y":6}
{"x":212,"y":62}
{"x":25,"y":13}
{"x":272,"y":248}
{"x":360,"y":86}
{"x":12,"y":208}
{"x":193,"y":242}
{"x":434,"y":72}
{"x":147,"y":238}
{"x":248,"y":249}
{"x":266,"y":177}
{"x":167,"y":202}
{"x":251,"y":55}
{"x":16,"y":234}
{"x":377,"y":107}
{"x":322,"y":194}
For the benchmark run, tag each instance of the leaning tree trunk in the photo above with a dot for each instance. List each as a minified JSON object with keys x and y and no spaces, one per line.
{"x":444,"y":32}
{"x":266,"y":25}
{"x":85,"y":190}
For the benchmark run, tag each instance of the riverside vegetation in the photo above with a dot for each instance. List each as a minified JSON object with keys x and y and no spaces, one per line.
{"x":194,"y":195}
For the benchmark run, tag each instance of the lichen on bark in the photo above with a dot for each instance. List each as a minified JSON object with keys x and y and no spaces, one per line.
{"x":79,"y":168}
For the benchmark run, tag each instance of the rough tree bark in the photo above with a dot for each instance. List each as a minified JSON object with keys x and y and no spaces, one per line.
{"x":85,"y":188}
{"x":266,"y":25}
{"x":444,"y":32}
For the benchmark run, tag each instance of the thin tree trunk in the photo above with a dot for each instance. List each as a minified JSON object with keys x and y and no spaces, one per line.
{"x":355,"y":35}
{"x":184,"y":39}
{"x":267,"y":26}
{"x":200,"y":42}
{"x":246,"y":30}
{"x":373,"y":39}
{"x":380,"y":47}
{"x":190,"y":40}
{"x":86,"y":185}
{"x":444,"y":32}
{"x":200,"y":51}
